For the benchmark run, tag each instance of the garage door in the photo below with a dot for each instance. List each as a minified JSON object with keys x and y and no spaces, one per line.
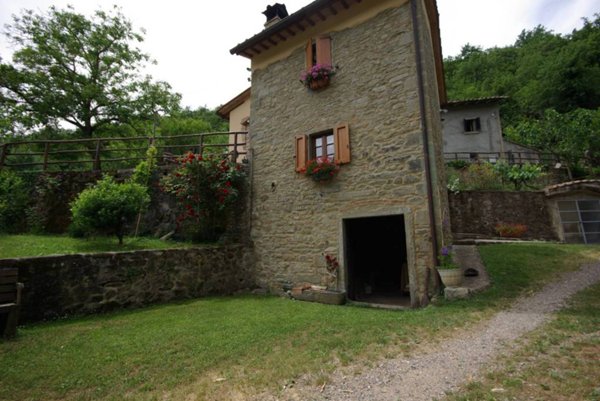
{"x":581,"y":220}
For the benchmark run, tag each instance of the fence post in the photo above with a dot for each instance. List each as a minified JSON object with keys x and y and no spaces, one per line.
{"x":46,"y":149}
{"x":235,"y":147}
{"x":201,"y":146}
{"x":97,"y":156}
{"x":3,"y":154}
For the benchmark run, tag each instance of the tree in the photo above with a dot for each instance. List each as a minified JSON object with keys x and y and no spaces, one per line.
{"x":79,"y":70}
{"x":542,"y":70}
{"x":574,"y":137}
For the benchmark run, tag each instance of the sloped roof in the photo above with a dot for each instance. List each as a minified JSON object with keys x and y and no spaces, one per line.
{"x":224,"y":110}
{"x":476,"y":101}
{"x":573,"y":186}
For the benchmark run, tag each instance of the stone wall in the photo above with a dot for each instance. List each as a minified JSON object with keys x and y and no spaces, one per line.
{"x":295,"y":220}
{"x":57,"y":286}
{"x":477,"y":212}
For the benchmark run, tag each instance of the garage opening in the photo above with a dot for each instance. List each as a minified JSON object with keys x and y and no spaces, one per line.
{"x":580,"y":220}
{"x":376,"y":260}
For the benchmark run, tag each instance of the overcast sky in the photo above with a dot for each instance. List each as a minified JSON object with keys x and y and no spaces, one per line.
{"x":190,"y":39}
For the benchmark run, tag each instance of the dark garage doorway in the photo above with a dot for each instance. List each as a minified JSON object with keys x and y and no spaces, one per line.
{"x":376,"y":260}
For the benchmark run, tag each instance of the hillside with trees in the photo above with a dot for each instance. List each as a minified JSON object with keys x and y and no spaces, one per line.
{"x":552,"y":82}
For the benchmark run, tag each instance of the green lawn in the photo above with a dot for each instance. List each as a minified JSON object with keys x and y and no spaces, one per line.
{"x":219,"y":348}
{"x":17,"y":246}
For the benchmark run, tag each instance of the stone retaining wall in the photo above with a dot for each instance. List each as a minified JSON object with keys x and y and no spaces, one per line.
{"x":477,"y":212}
{"x":57,"y":286}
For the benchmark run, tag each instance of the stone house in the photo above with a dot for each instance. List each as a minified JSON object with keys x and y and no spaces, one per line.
{"x":383,"y":217}
{"x":472,"y":130}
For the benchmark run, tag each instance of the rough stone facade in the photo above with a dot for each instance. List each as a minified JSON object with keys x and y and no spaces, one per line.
{"x":477,"y":212}
{"x":295,"y":220}
{"x":57,"y":286}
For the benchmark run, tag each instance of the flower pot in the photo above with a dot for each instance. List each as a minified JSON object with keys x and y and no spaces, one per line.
{"x":451,"y":277}
{"x":319,"y":83}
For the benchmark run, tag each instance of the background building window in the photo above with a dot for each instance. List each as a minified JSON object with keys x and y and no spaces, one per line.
{"x":472,"y":125}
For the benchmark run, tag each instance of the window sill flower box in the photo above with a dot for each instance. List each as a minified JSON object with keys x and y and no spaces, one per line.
{"x":318,"y":77}
{"x":321,"y":169}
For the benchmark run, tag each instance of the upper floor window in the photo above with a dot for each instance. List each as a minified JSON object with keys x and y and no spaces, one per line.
{"x":318,"y":51}
{"x":472,"y":125}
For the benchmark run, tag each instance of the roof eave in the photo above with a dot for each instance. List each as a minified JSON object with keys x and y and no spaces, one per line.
{"x":305,"y":14}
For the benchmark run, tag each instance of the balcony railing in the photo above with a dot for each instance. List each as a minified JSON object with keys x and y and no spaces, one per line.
{"x":509,"y":157}
{"x":99,"y":154}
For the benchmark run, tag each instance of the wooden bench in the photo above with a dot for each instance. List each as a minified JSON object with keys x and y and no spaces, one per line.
{"x":10,"y":301}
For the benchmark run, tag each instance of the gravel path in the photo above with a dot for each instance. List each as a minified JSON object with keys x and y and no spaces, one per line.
{"x":453,"y":362}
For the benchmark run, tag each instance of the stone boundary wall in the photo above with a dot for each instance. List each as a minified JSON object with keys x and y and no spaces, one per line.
{"x":58,"y":286}
{"x":477,"y":212}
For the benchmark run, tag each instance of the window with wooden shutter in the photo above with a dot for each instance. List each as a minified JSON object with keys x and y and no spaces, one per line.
{"x":310,"y":54}
{"x":301,"y":153}
{"x":323,"y":45}
{"x":318,"y":51}
{"x":341,"y":135}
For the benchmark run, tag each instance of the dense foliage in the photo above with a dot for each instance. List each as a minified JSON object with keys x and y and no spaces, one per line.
{"x":574,"y":137}
{"x":207,"y":189}
{"x":541,"y":70}
{"x":86,"y":72}
{"x":519,"y":175}
{"x":108,"y":207}
{"x":496,"y":177}
{"x":14,"y":198}
{"x":552,"y":82}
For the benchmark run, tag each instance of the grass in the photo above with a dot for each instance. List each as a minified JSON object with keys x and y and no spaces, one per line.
{"x":18,"y":246}
{"x":557,"y":362}
{"x":219,"y":348}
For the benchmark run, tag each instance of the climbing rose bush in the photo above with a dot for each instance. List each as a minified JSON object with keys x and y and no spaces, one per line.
{"x":206,"y":189}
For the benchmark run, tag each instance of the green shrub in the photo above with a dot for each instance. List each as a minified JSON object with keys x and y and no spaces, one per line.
{"x":481,"y":176}
{"x":458,"y":164}
{"x":14,"y":197}
{"x":143,"y":172}
{"x":108,"y":207}
{"x":519,"y":175}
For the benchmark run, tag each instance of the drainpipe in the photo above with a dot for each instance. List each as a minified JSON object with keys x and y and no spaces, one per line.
{"x":422,"y":108}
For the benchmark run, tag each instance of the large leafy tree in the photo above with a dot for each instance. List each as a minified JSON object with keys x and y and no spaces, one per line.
{"x":542,"y":70}
{"x":574,"y":137}
{"x":85,"y":71}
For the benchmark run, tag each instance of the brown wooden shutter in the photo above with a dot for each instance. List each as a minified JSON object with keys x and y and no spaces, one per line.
{"x":324,"y":50}
{"x":342,"y":143}
{"x":309,"y":54}
{"x":301,"y":152}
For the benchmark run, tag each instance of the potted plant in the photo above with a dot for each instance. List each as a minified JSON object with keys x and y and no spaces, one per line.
{"x":317,"y":77}
{"x":321,"y":169}
{"x":450,"y":272}
{"x":510,"y":230}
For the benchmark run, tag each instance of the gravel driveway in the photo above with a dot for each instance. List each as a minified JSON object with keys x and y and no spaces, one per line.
{"x":430,"y":375}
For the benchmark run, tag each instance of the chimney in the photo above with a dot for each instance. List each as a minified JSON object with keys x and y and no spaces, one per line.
{"x":274,"y":14}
